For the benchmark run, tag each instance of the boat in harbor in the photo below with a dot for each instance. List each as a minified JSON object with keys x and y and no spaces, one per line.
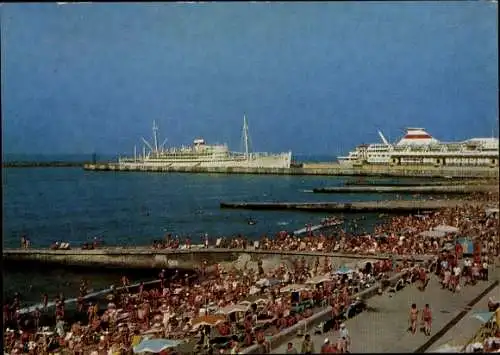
{"x":202,"y":155}
{"x":418,"y":147}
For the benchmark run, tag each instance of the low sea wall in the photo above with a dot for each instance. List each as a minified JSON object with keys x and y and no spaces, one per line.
{"x":352,"y":207}
{"x":144,"y":258}
{"x":319,"y":169}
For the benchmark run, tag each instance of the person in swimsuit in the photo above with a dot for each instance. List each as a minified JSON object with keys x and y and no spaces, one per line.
{"x":413,"y":318}
{"x":427,"y":319}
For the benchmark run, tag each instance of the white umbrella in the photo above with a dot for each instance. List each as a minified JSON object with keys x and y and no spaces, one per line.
{"x":491,"y":210}
{"x":293,"y":287}
{"x":262,"y":282}
{"x":234,"y":308}
{"x":253,"y":290}
{"x":318,"y":279}
{"x":445,"y":228}
{"x":432,"y":234}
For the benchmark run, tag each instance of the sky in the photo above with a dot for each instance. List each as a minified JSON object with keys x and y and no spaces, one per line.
{"x":313,"y":78}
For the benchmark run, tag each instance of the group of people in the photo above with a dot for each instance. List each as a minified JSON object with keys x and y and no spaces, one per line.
{"x":426,"y":319}
{"x":233,"y":308}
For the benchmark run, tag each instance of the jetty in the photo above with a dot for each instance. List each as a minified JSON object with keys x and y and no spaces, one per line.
{"x":448,"y":189}
{"x":319,"y":169}
{"x":352,"y":207}
{"x":416,"y":182}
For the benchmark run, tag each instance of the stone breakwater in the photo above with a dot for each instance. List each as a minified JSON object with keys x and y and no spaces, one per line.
{"x":359,"y":207}
{"x":450,"y":189}
{"x":328,"y":169}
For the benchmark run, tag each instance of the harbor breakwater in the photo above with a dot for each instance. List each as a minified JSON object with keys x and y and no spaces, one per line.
{"x":443,"y":189}
{"x":319,"y":169}
{"x":351,"y":207}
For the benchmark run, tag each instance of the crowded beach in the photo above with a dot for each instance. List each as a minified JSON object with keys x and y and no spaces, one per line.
{"x":237,"y":306}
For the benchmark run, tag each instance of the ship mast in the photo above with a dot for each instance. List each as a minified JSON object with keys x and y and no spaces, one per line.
{"x":383,"y":138}
{"x":245,"y":135}
{"x":155,"y":136}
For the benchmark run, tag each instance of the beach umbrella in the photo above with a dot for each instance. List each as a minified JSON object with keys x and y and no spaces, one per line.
{"x":262,"y":282}
{"x":445,"y":228}
{"x":343,"y":270}
{"x":155,"y":345}
{"x":492,"y":210}
{"x":209,"y":320}
{"x":233,"y":308}
{"x":407,"y":230}
{"x":432,"y":234}
{"x":318,"y":279}
{"x":273,"y":282}
{"x":267,"y":282}
{"x":484,"y":317}
{"x":293,"y":288}
{"x":253,"y":290}
{"x":256,"y":299}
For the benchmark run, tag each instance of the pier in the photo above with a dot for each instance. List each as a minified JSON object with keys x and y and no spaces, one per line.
{"x":450,"y":189}
{"x":326,"y":169}
{"x":417,"y":182}
{"x":352,"y":207}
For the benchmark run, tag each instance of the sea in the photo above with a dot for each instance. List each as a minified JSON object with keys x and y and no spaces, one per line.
{"x":135,"y":208}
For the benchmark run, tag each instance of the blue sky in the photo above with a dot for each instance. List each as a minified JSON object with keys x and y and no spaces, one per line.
{"x":314,"y":78}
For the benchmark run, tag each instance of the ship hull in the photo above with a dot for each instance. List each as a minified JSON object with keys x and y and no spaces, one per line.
{"x":269,"y":161}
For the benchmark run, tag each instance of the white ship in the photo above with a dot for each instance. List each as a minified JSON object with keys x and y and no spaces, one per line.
{"x":201,"y":154}
{"x":417,"y":147}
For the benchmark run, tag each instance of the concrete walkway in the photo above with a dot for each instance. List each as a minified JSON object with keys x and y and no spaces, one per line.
{"x":467,"y":327}
{"x":384,"y":329}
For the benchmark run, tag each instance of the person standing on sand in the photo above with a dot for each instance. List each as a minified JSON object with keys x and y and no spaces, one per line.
{"x":413,"y":318}
{"x":427,"y":319}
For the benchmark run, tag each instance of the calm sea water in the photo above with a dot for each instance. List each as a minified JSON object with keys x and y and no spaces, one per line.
{"x":70,"y":204}
{"x":50,"y":204}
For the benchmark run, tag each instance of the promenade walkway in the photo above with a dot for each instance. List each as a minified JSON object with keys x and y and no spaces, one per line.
{"x":384,"y":327}
{"x":467,"y":327}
